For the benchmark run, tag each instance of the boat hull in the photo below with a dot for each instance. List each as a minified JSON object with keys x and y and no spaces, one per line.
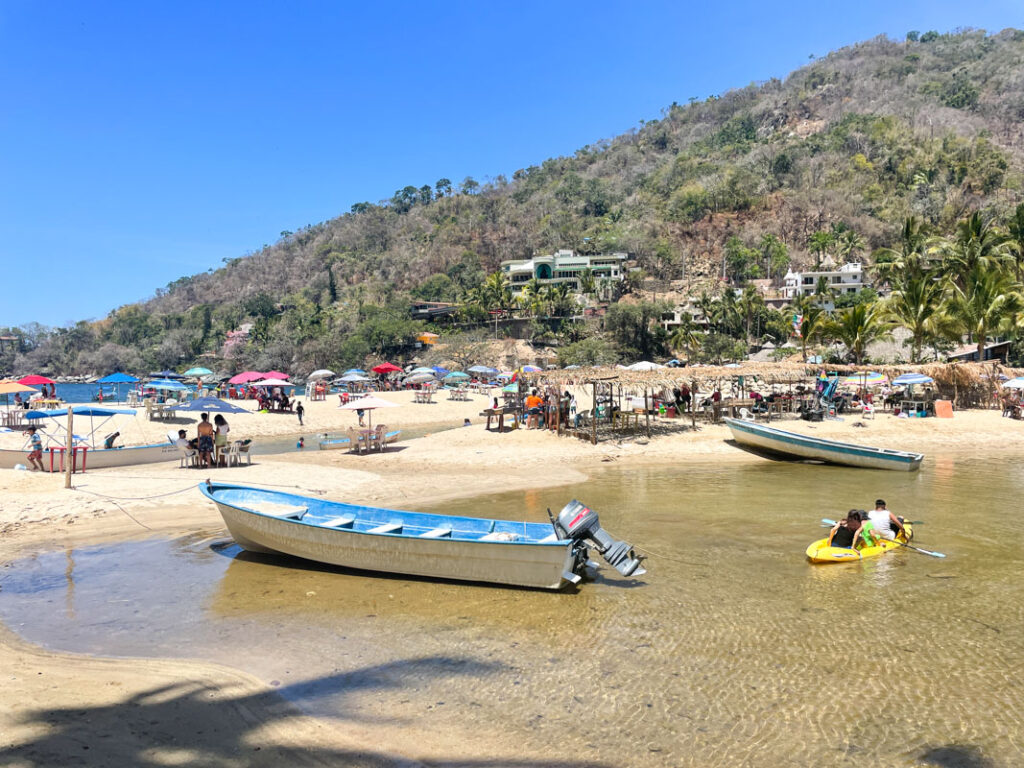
{"x":794,"y":445}
{"x":527,"y":564}
{"x":102,"y":458}
{"x":820,"y":552}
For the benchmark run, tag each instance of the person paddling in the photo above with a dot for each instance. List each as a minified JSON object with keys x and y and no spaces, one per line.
{"x":841,"y":534}
{"x":867,"y":532}
{"x":886,"y":523}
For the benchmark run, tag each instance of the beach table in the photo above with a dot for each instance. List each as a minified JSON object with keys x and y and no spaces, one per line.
{"x":624,"y":418}
{"x":913,"y":406}
{"x":499,"y":414}
{"x":423,"y":396}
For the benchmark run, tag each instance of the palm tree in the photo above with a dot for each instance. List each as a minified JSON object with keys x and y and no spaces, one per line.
{"x":1015,"y":231}
{"x":532,"y":297}
{"x":685,"y":338}
{"x":986,"y":303}
{"x":849,"y":244}
{"x":917,"y":305}
{"x":819,"y":244}
{"x":750,"y":303}
{"x":708,"y":308}
{"x":858,"y":326}
{"x":907,"y":256}
{"x":813,"y":324}
{"x":978,"y":242}
{"x":588,"y":284}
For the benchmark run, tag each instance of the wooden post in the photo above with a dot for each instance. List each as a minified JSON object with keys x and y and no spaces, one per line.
{"x":593,"y":417}
{"x":69,"y":446}
{"x":693,"y":403}
{"x":647,"y":411}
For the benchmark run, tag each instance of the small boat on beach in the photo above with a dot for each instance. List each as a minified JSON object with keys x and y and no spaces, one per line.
{"x":95,"y":457}
{"x":820,"y":552}
{"x":791,"y":445}
{"x":540,"y":555}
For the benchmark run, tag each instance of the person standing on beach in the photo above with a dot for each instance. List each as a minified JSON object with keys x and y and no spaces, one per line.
{"x":35,"y":455}
{"x":205,"y":434}
{"x":299,"y":411}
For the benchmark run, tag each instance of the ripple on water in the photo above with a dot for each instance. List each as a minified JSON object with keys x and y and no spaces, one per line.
{"x":733,"y":650}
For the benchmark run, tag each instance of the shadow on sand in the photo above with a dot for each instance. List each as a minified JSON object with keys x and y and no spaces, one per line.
{"x":145,"y":729}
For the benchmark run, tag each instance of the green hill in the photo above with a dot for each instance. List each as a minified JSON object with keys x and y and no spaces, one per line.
{"x":852,"y":144}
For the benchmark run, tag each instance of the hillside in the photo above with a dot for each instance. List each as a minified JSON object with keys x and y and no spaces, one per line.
{"x":852,"y":143}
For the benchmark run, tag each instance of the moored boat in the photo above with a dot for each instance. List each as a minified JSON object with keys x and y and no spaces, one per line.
{"x":792,"y":445}
{"x":541,"y":555}
{"x":820,"y":552}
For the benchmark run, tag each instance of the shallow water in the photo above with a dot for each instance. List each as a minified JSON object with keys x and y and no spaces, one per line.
{"x":733,"y":650}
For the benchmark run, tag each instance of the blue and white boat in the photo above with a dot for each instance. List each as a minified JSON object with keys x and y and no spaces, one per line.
{"x":541,"y":555}
{"x":792,"y":445}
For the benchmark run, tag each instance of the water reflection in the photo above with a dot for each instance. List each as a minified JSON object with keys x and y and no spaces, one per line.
{"x":734,"y":650}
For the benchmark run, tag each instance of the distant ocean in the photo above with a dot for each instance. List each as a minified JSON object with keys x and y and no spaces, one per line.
{"x":85,"y":393}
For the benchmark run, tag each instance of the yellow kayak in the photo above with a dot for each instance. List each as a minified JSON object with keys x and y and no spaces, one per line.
{"x":821,"y":552}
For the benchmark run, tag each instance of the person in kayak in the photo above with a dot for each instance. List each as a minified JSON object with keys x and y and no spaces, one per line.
{"x":867,"y":532}
{"x":841,"y":534}
{"x":886,"y":523}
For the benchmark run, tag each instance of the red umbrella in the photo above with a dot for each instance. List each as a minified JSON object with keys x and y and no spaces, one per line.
{"x":29,"y":381}
{"x":245,"y":377}
{"x":386,"y":368}
{"x":275,"y":375}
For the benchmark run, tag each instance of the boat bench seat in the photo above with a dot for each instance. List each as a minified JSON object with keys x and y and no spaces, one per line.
{"x":387,"y":528}
{"x":499,"y":536}
{"x":339,"y":522}
{"x":549,"y":537}
{"x":436,"y":533}
{"x":284,"y":511}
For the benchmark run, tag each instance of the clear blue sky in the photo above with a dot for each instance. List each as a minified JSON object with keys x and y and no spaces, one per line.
{"x":145,"y":141}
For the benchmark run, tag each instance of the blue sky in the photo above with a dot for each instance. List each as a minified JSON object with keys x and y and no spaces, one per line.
{"x":147,"y":141}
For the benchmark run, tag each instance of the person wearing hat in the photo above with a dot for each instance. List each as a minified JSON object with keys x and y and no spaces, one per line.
{"x":35,"y":456}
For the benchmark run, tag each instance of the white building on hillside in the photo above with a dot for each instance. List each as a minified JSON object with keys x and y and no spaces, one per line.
{"x":564,"y":266}
{"x":849,"y":278}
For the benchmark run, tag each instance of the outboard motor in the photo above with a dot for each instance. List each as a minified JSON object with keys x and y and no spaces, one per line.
{"x":580,"y":523}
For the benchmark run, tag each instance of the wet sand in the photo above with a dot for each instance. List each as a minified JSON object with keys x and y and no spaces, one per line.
{"x":224,"y":715}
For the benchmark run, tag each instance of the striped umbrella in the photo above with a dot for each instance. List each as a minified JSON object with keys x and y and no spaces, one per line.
{"x":865,"y":379}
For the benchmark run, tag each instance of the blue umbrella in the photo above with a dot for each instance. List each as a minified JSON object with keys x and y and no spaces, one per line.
{"x":166,"y":375}
{"x":212,"y":405}
{"x":439,"y":370}
{"x":481,"y":369}
{"x":913,"y":378}
{"x":456,"y":376}
{"x":117,"y":378}
{"x":165,"y":384}
{"x":360,"y":371}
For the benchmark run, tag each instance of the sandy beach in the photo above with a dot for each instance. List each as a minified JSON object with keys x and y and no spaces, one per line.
{"x":213,"y":715}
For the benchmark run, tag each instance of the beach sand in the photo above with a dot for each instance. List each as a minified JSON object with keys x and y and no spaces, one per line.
{"x":91,"y":711}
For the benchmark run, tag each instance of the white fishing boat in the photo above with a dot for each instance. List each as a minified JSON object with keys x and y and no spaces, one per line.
{"x":541,"y":555}
{"x":792,"y":445}
{"x":94,"y":457}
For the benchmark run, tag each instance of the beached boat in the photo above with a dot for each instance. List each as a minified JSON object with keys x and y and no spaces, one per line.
{"x":95,"y":458}
{"x":765,"y":439}
{"x":542,"y":555}
{"x":820,"y":552}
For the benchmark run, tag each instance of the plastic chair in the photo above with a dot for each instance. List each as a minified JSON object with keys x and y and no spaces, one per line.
{"x":746,"y":415}
{"x":869,"y":411}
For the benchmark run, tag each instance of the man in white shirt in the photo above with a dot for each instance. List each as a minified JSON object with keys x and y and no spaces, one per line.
{"x":886,"y":523}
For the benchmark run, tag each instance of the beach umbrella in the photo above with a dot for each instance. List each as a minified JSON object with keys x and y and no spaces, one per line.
{"x":35,"y":380}
{"x":198,"y":372}
{"x":322,"y":373}
{"x":1017,"y":383}
{"x":481,"y":369}
{"x":644,"y":365}
{"x":913,"y":378}
{"x":355,"y":370}
{"x":212,"y":405}
{"x":864,"y":379}
{"x":423,"y":370}
{"x":439,"y":370}
{"x":166,"y":375}
{"x":9,"y":387}
{"x":118,"y":379}
{"x":505,"y":375}
{"x":276,"y":375}
{"x":166,"y":385}
{"x":245,"y":377}
{"x":456,"y":376}
{"x":386,"y":368}
{"x":527,"y":369}
{"x":370,"y":404}
{"x":420,"y":378}
{"x":510,"y":388}
{"x":271,"y":382}
{"x":353,"y":377}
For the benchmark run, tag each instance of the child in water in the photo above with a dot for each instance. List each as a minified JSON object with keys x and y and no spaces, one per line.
{"x":301,"y":444}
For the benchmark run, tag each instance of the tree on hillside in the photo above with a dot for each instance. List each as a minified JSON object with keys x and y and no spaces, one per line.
{"x":986,"y":303}
{"x":907,"y":257}
{"x":813,"y":322}
{"x":1015,"y":240}
{"x":858,"y":326}
{"x":819,"y":244}
{"x":775,"y":255}
{"x":635,"y":329}
{"x":916,"y":304}
{"x":685,"y":339}
{"x":977,"y":243}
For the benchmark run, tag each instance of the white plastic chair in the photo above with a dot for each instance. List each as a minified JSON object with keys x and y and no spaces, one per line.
{"x":746,"y":415}
{"x":869,"y":411}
